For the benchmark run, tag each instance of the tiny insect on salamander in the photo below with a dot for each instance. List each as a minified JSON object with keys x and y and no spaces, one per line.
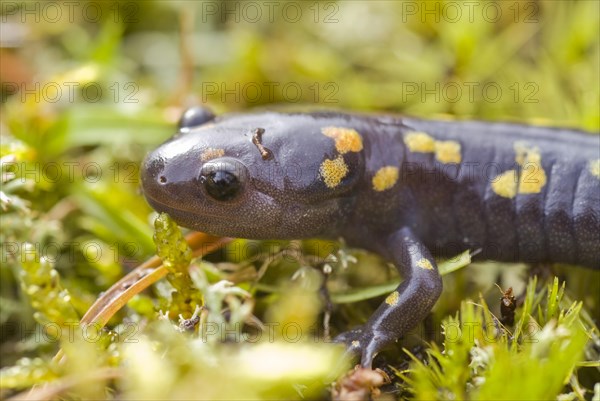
{"x":402,"y":187}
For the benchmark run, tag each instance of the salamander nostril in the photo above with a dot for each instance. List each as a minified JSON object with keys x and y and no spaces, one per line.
{"x":154,"y":170}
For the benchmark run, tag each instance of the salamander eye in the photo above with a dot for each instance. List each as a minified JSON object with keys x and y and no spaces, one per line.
{"x":222,"y":180}
{"x":194,"y":117}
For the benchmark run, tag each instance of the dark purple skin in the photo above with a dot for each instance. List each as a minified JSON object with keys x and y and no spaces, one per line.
{"x":433,"y":207}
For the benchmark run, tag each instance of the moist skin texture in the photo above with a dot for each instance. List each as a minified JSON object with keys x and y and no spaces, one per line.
{"x":402,"y":187}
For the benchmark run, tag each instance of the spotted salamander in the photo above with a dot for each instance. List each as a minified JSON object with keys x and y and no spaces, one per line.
{"x":403,"y":187}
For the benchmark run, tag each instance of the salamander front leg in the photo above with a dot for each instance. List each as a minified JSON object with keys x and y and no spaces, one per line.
{"x":404,"y":308}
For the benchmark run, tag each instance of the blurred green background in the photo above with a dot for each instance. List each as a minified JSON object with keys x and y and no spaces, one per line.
{"x":89,"y":87}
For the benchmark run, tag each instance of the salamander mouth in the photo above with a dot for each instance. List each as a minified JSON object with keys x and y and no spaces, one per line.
{"x":189,"y":220}
{"x":223,"y":224}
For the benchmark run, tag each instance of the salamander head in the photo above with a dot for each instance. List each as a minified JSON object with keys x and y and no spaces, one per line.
{"x":265,"y":175}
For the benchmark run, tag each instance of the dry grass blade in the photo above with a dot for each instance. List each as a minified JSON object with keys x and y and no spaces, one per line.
{"x":138,"y":280}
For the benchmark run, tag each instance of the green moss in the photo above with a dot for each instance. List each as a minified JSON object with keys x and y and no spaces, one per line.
{"x":482,"y":359}
{"x":41,"y":283}
{"x":176,"y":255}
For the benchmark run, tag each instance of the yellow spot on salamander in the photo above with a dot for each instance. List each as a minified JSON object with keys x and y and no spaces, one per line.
{"x":393,"y":298}
{"x":425,"y":264}
{"x":594,"y":167}
{"x":447,"y":151}
{"x":521,"y":149}
{"x":356,"y":343}
{"x":533,"y":176}
{"x":385,"y":178}
{"x":505,"y":184}
{"x":211,"y":153}
{"x":419,"y":142}
{"x":333,"y":171}
{"x":346,"y":139}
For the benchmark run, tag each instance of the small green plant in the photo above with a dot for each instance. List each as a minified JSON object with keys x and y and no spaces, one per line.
{"x":481,"y":359}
